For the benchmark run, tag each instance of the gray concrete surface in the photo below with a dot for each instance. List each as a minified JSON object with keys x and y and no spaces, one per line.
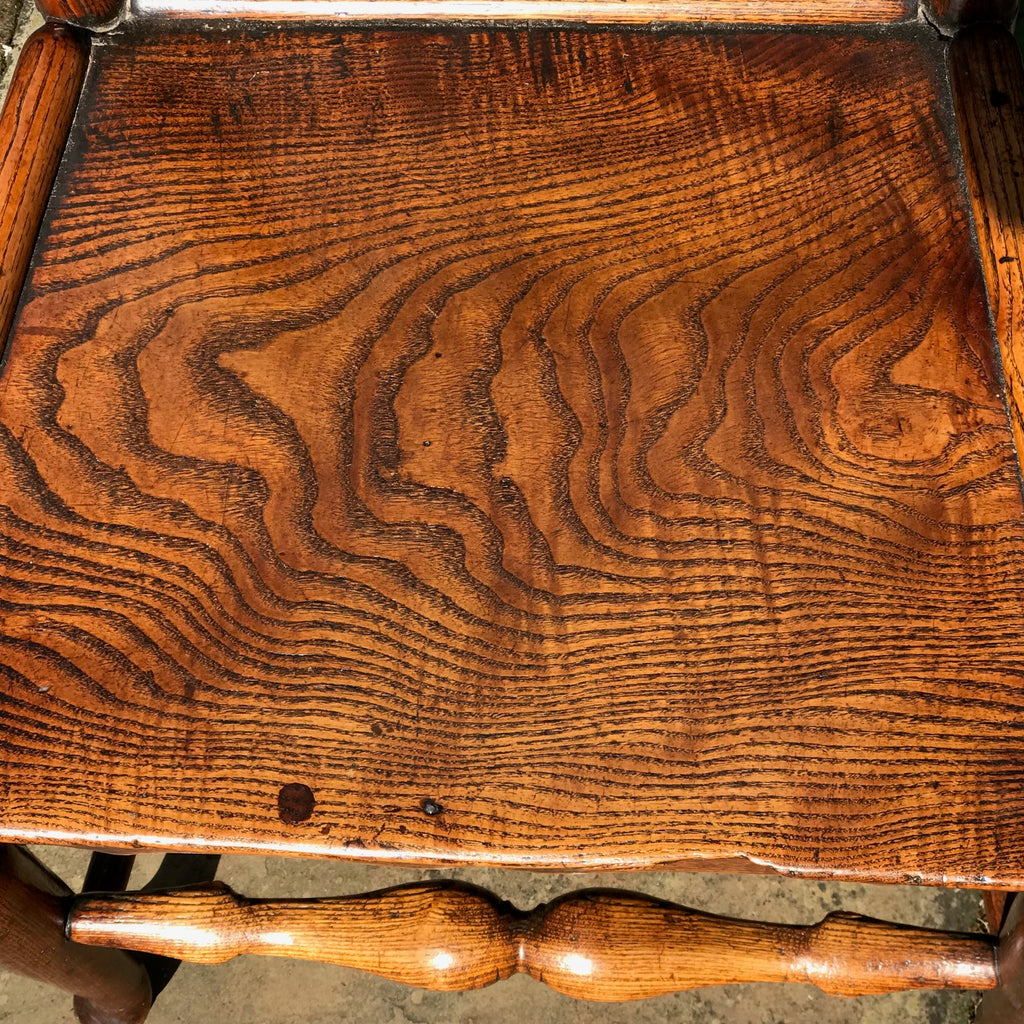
{"x":264,"y":991}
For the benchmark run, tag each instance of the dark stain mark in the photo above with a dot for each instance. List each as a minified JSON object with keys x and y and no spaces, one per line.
{"x":998,"y":98}
{"x":295,"y":803}
{"x":340,"y":60}
{"x":1007,"y":259}
{"x":627,"y":84}
{"x":437,"y":355}
{"x":431,"y":807}
{"x":326,"y":830}
{"x":377,"y":729}
{"x":546,"y":74}
{"x":835,"y":123}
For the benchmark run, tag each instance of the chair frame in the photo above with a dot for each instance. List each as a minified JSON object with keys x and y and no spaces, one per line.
{"x":578,"y":943}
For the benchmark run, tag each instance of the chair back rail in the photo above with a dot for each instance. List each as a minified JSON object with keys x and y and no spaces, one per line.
{"x":98,"y":14}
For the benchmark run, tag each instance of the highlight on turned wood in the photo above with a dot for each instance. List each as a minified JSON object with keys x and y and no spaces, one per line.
{"x":90,"y":14}
{"x":595,"y":944}
{"x":792,"y":12}
{"x":33,"y":128}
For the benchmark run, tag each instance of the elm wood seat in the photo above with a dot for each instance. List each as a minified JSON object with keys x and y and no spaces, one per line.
{"x":566,"y":447}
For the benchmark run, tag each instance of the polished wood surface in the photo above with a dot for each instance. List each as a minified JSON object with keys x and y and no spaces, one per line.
{"x":988,"y":86}
{"x":111,"y":986}
{"x":596,"y":944}
{"x":757,"y":12}
{"x":556,"y":448}
{"x":89,"y":14}
{"x":33,"y":129}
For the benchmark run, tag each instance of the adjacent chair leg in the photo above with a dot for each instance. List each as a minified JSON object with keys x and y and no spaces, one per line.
{"x":1005,"y":1005}
{"x":111,"y":985}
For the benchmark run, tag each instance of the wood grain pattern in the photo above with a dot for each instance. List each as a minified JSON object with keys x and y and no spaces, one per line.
{"x":541,"y":448}
{"x":33,"y":128}
{"x":595,"y":944}
{"x":89,"y":14}
{"x":757,"y":12}
{"x":111,"y":987}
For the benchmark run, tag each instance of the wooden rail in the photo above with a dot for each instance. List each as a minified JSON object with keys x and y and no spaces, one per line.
{"x":34,"y":127}
{"x":789,"y":12}
{"x":594,"y":944}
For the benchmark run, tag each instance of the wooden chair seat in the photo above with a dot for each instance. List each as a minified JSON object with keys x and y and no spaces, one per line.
{"x":564,"y":447}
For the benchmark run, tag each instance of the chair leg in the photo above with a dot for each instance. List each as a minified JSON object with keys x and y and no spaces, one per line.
{"x":109,"y":872}
{"x":996,"y":905}
{"x":111,"y":986}
{"x":1005,"y":1005}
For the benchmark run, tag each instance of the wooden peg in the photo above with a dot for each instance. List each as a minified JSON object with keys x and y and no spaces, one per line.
{"x":595,"y":944}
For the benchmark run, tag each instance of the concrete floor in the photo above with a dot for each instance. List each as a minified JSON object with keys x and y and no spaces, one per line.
{"x":264,"y":991}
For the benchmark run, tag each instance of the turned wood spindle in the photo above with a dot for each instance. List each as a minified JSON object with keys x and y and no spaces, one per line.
{"x":34,"y":126}
{"x":594,"y":944}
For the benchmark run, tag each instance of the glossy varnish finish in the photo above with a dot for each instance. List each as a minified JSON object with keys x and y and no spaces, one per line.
{"x":34,"y":126}
{"x":542,"y":448}
{"x":758,"y":12}
{"x":596,"y":944}
{"x":90,"y":14}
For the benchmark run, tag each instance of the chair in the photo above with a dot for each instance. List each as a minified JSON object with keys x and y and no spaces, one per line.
{"x":551,"y":433}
